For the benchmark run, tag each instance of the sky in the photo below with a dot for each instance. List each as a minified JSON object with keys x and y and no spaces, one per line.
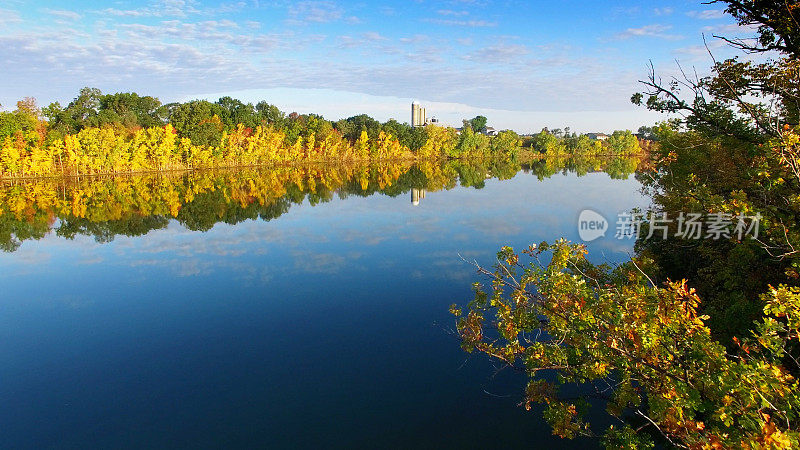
{"x":523,"y":64}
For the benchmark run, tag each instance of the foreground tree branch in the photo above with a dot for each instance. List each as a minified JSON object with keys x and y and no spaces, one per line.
{"x":613,"y":325}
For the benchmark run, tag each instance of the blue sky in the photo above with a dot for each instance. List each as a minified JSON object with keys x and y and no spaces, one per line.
{"x":523,"y":64}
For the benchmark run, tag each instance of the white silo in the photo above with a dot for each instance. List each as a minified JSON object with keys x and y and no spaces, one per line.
{"x":415,"y":114}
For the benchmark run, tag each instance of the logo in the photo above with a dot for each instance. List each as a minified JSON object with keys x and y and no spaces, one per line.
{"x":591,"y":225}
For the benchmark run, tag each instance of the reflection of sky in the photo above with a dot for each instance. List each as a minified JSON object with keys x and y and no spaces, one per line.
{"x":354,"y":233}
{"x":78,"y":311}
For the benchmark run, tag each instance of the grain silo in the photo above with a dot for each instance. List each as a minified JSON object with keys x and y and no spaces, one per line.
{"x":416,"y":115}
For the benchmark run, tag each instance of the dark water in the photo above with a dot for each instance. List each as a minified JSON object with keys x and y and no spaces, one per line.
{"x":324,"y":327}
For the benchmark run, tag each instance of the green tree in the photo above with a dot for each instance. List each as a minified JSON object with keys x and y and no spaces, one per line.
{"x":478,"y":124}
{"x":270,"y":114}
{"x":18,"y":121}
{"x":233,"y":112}
{"x":507,"y":143}
{"x":736,"y":155}
{"x":197,"y":120}
{"x":583,"y":145}
{"x":81,"y":112}
{"x":317,"y":126}
{"x":545,"y":142}
{"x":352,"y":127}
{"x":647,"y":133}
{"x":130,"y":110}
{"x":623,"y":143}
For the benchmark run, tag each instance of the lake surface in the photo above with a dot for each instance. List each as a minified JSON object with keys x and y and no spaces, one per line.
{"x":257,"y":310}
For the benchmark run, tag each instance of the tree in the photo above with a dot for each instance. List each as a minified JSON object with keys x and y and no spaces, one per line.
{"x":362,"y":146}
{"x":623,"y":143}
{"x":707,"y":362}
{"x":545,"y":142}
{"x":119,"y":132}
{"x":506,"y":143}
{"x":197,"y":120}
{"x":736,"y":154}
{"x":583,"y":145}
{"x":352,"y":127}
{"x":647,"y":133}
{"x":737,"y":100}
{"x":81,"y":112}
{"x":270,"y":114}
{"x":478,"y":124}
{"x":24,"y":119}
{"x":644,"y":350}
{"x":401,"y":131}
{"x":28,"y":106}
{"x":130,"y":110}
{"x":233,"y":112}
{"x":776,"y":21}
{"x":317,"y":126}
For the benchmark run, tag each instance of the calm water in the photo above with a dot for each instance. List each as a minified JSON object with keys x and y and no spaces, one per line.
{"x":325,"y":326}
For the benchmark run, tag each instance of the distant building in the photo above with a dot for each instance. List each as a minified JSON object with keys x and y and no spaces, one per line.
{"x":597,"y":136}
{"x":418,"y":116}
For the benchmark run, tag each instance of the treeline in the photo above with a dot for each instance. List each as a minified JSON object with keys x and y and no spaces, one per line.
{"x":557,"y":142}
{"x":106,"y":207}
{"x":125,"y":132}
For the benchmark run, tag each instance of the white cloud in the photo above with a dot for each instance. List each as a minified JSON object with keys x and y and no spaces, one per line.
{"x":193,"y":267}
{"x":626,"y":11}
{"x":374,"y":36}
{"x":501,"y":53}
{"x":707,"y":14}
{"x":305,"y":12}
{"x":462,"y":23}
{"x":325,"y":263}
{"x":450,"y":12}
{"x":8,"y":17}
{"x":730,"y":29}
{"x":415,"y":39}
{"x":63,"y":14}
{"x":162,"y":8}
{"x":222,"y":33}
{"x":697,"y":53}
{"x":346,"y":42}
{"x":655,"y":30}
{"x":176,"y":58}
{"x":467,"y":42}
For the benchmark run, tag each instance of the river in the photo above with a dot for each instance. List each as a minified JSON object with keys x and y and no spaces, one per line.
{"x":285,"y":308}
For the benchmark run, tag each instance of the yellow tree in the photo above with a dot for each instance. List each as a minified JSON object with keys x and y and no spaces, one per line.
{"x":362,"y":146}
{"x":10,"y":157}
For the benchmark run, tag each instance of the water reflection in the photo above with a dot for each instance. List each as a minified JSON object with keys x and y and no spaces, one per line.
{"x":133,"y":206}
{"x":325,"y":328}
{"x":417,"y":195}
